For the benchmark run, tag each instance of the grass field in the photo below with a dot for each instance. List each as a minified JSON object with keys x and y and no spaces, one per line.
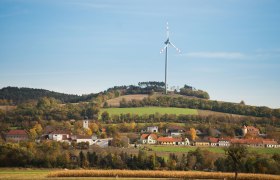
{"x":150,"y":110}
{"x":211,"y":149}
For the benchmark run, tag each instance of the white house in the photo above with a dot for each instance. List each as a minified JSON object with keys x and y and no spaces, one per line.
{"x":173,"y":141}
{"x":223,"y":142}
{"x":59,"y":135}
{"x":148,"y":139}
{"x":152,"y":129}
{"x":85,"y":139}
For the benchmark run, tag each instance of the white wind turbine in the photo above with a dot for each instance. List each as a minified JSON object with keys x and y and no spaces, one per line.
{"x":167,"y":44}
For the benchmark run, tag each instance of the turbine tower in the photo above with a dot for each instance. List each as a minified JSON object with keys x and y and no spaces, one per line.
{"x":167,"y":44}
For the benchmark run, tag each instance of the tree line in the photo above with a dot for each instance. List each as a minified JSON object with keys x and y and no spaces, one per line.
{"x":50,"y":154}
{"x":191,"y":91}
{"x":195,"y":103}
{"x":15,"y":95}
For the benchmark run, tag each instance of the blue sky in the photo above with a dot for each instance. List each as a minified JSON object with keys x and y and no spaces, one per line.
{"x":230,"y":48}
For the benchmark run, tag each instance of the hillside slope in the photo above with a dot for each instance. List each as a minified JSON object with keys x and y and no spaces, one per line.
{"x":19,"y":95}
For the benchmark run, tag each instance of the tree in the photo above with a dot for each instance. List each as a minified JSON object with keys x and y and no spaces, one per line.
{"x":38,"y":128}
{"x":105,"y":116}
{"x":235,"y":154}
{"x":32,"y":134}
{"x":193,"y":134}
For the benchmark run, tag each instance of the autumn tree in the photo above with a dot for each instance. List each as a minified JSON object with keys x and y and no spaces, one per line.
{"x":235,"y":154}
{"x":193,"y":134}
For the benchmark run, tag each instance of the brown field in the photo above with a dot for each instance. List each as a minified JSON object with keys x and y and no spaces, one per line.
{"x":7,"y":108}
{"x":159,"y":174}
{"x":208,"y":113}
{"x":116,"y":101}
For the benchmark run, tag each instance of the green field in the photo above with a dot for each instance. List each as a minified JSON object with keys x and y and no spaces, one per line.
{"x":211,"y":149}
{"x":150,"y":110}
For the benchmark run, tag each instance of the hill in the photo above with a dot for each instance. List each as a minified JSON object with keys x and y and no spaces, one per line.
{"x":15,"y":95}
{"x":115,"y":102}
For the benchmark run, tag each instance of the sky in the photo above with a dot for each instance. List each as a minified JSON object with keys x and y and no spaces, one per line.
{"x":229,"y":48}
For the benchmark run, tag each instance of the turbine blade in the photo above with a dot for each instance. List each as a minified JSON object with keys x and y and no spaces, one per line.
{"x":167,"y":30}
{"x":161,"y":51}
{"x":177,"y":49}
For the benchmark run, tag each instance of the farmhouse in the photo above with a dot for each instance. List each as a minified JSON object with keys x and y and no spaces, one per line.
{"x":201,"y":143}
{"x":213,"y":141}
{"x":148,"y":139}
{"x":270,"y":143}
{"x":85,"y":139}
{"x":250,"y":130}
{"x":223,"y":142}
{"x":60,"y":135}
{"x":172,"y":141}
{"x":16,"y":135}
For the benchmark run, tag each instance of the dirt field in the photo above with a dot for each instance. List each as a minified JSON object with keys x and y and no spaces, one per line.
{"x":7,"y":108}
{"x":116,"y":101}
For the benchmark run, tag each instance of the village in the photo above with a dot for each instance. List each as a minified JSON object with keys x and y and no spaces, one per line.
{"x":151,"y":135}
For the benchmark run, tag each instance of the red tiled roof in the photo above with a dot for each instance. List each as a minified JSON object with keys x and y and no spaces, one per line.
{"x":224,"y":139}
{"x":254,"y":141}
{"x":238,"y":141}
{"x":213,"y":140}
{"x":154,"y":136}
{"x":17,"y":132}
{"x":83,"y":137}
{"x":269,"y":141}
{"x":144,"y":136}
{"x":252,"y":128}
{"x":169,"y":139}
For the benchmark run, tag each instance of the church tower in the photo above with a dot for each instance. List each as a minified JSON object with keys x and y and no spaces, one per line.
{"x":85,"y":123}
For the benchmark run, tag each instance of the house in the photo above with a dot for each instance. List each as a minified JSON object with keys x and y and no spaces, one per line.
{"x":85,"y":139}
{"x":172,"y":141}
{"x":148,"y":139}
{"x":270,"y":143}
{"x":152,"y":129}
{"x":223,"y":142}
{"x":213,"y":141}
{"x":173,"y":130}
{"x":60,"y":135}
{"x":250,"y":130}
{"x":254,"y":142}
{"x":16,"y":135}
{"x":201,"y":143}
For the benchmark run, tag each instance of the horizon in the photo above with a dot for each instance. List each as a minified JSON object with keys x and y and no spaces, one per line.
{"x":230,"y":49}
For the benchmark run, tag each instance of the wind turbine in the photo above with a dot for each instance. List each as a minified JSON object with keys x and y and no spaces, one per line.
{"x":167,"y":44}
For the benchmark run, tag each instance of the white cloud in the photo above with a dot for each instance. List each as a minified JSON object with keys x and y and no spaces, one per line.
{"x":216,"y":55}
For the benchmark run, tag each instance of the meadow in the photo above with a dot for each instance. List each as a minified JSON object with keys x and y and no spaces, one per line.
{"x":150,"y":110}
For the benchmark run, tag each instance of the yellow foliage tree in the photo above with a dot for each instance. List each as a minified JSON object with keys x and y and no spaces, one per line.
{"x":94,"y":127}
{"x":132,"y":125}
{"x":193,"y":134}
{"x":88,"y":132}
{"x":32,"y":134}
{"x":38,"y":128}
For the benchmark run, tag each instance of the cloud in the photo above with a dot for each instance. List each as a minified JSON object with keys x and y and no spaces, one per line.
{"x":215,"y":55}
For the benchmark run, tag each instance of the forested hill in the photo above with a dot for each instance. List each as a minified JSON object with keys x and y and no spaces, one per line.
{"x":15,"y":95}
